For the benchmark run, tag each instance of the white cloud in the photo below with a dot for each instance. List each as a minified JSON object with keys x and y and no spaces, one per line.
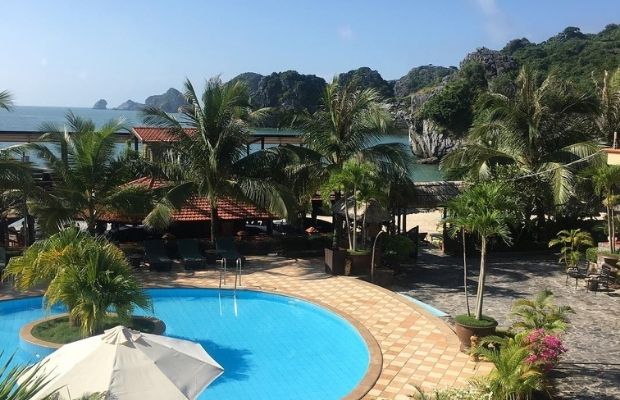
{"x":345,"y":32}
{"x":497,"y":24}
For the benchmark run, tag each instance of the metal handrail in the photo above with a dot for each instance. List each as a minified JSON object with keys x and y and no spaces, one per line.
{"x":224,"y":270}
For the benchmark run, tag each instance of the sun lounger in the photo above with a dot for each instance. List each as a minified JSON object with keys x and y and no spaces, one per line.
{"x":189,"y":249}
{"x":225,"y":247}
{"x":155,"y":256}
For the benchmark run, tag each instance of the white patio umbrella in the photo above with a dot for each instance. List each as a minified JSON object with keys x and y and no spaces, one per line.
{"x":128,"y":365}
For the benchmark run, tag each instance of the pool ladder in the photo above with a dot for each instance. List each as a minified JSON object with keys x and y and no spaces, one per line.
{"x":223,"y":271}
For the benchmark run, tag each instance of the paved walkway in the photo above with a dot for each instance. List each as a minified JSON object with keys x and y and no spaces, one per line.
{"x":415,"y":348}
{"x":591,"y":367}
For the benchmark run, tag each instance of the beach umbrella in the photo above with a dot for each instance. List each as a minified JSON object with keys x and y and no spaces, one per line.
{"x":126,"y":365}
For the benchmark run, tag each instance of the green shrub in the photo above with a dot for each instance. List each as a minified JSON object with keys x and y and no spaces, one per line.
{"x":400,"y":246}
{"x":592,"y":254}
{"x":540,"y":313}
{"x":470,"y":320}
{"x":513,"y":376}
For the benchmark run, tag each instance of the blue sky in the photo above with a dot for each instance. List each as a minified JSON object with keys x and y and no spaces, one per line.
{"x":71,"y":53}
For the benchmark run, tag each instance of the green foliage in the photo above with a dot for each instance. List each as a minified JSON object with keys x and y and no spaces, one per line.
{"x":366,"y":78}
{"x":5,"y":100}
{"x":90,"y":176}
{"x":399,"y":245}
{"x":212,"y":162}
{"x":89,"y":275}
{"x":421,"y":77}
{"x":61,"y":330}
{"x":29,"y":384}
{"x":486,"y":210}
{"x":540,"y":313}
{"x":513,"y":377}
{"x":483,"y":322}
{"x":570,"y":54}
{"x":538,"y":130}
{"x":471,"y":393}
{"x":571,"y":243}
{"x":453,"y":106}
{"x":592,"y":254}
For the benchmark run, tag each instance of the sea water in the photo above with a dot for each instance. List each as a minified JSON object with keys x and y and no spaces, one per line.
{"x":30,"y":118}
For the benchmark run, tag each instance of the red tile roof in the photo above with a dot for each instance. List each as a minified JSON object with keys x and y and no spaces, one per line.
{"x":153,"y":135}
{"x":198,"y":208}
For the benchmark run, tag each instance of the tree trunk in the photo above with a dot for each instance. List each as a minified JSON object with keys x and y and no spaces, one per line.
{"x":346,"y":219}
{"x":609,"y":228}
{"x":465,"y":272}
{"x":354,"y":219}
{"x":613,"y":229}
{"x":480,"y":294}
{"x":213,"y":201}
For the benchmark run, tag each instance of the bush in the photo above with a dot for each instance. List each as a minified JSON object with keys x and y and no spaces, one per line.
{"x":400,"y":246}
{"x":592,"y":254}
{"x":292,"y":244}
{"x":470,"y":320}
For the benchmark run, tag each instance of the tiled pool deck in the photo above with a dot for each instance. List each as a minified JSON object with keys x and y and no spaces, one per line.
{"x":416,"y":348}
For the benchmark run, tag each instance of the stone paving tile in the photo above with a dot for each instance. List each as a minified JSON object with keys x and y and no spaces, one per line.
{"x":591,"y":367}
{"x":417,"y":348}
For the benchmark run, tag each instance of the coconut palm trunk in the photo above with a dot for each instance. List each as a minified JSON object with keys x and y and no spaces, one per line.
{"x":213,"y":216}
{"x":354,"y":218}
{"x":481,"y":278}
{"x":347,"y":222}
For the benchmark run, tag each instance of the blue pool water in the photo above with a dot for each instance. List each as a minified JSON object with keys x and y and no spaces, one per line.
{"x":271,"y":346}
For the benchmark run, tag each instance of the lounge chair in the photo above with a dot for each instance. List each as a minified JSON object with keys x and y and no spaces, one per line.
{"x":225,"y":247}
{"x":189,"y":249}
{"x":155,"y":256}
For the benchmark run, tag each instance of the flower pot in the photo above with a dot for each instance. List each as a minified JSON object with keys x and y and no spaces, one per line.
{"x":360,"y":264}
{"x":465,"y":332}
{"x":334,"y":261}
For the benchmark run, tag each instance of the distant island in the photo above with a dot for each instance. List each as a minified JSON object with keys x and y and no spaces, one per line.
{"x":101,"y":105}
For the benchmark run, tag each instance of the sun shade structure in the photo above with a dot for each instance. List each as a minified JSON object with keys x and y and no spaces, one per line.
{"x":129,"y":365}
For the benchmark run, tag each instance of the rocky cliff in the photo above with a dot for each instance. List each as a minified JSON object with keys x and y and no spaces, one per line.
{"x":130,"y":105}
{"x":171,"y":101}
{"x":101,"y":105}
{"x":365,"y":77}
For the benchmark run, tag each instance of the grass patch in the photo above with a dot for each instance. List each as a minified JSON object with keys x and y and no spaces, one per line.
{"x":358,"y":252}
{"x":471,"y":321}
{"x":60,"y":331}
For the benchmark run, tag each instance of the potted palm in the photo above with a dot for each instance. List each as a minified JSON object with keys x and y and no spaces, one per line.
{"x":357,"y":182}
{"x":486,"y":206}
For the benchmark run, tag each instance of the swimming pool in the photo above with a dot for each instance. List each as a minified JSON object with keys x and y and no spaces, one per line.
{"x":271,"y":346}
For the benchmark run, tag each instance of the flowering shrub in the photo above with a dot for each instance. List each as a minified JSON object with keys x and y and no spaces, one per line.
{"x":545,"y":349}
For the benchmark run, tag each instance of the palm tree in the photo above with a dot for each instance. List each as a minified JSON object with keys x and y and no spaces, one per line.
{"x":608,"y":119}
{"x":88,"y":175}
{"x":212,"y":135}
{"x":540,"y":313}
{"x":604,"y":179}
{"x":89,"y":275}
{"x":459,"y":222}
{"x":538,"y":131}
{"x":357,"y":181}
{"x":5,"y":100}
{"x":348,"y":126}
{"x":489,"y":206}
{"x":571,"y":242}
